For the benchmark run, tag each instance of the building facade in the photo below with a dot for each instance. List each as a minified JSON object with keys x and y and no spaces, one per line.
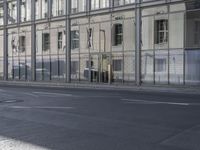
{"x":100,"y":41}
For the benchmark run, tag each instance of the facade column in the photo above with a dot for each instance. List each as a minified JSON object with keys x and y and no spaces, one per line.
{"x":18,"y":12}
{"x":33,"y":42}
{"x":5,"y":41}
{"x":88,"y":6}
{"x":50,"y":9}
{"x":111,"y":4}
{"x":138,"y":39}
{"x":68,"y":41}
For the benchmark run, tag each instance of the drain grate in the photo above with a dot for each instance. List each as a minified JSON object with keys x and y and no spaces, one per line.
{"x":11,"y":101}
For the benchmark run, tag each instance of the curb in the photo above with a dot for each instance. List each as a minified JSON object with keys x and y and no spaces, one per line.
{"x":119,"y":87}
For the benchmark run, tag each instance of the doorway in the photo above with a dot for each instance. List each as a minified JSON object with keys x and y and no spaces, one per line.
{"x":100,"y":69}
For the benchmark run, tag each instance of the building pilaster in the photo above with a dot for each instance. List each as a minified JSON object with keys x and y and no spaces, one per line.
{"x":68,"y":41}
{"x":5,"y":41}
{"x":33,"y":42}
{"x":138,"y":39}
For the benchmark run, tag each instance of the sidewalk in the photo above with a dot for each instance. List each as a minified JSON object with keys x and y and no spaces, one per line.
{"x":147,"y":88}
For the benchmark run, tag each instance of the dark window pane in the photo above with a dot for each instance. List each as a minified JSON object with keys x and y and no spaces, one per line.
{"x":118,"y":34}
{"x":59,"y":40}
{"x":74,"y":39}
{"x":46,"y":41}
{"x":161,"y":31}
{"x":117,"y":65}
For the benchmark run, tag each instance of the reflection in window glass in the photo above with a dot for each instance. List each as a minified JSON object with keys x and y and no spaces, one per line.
{"x":60,"y":40}
{"x":160,"y":65}
{"x":161,"y":29}
{"x":1,"y":55}
{"x":58,"y":8}
{"x":41,"y":9}
{"x":22,"y":43}
{"x":46,"y":41}
{"x":117,"y":64}
{"x":118,"y":2}
{"x":191,"y":5}
{"x":74,"y":67}
{"x":12,"y":12}
{"x":176,"y":30}
{"x":192,"y":70}
{"x":97,"y":4}
{"x":129,"y":1}
{"x":78,"y":6}
{"x":176,"y":64}
{"x":104,"y":3}
{"x":118,"y":34}
{"x":74,"y":6}
{"x":25,"y":8}
{"x":193,"y":29}
{"x":19,"y":54}
{"x":123,"y":2}
{"x":1,"y":15}
{"x":74,"y":39}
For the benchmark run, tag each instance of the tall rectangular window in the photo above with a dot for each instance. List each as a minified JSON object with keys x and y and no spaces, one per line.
{"x":44,"y":8}
{"x":161,"y":31}
{"x":81,"y":5}
{"x":12,"y":12}
{"x":129,"y":1}
{"x":117,"y":64}
{"x":123,"y":2}
{"x":75,"y":39}
{"x":118,"y":34}
{"x":74,"y":7}
{"x":1,"y":15}
{"x":58,"y":7}
{"x":45,"y":41}
{"x":192,"y":29}
{"x":41,"y":9}
{"x":197,"y":32}
{"x":25,"y":10}
{"x":78,"y":6}
{"x":22,"y":43}
{"x":104,"y":3}
{"x":90,"y":38}
{"x":60,"y":40}
{"x":118,"y":2}
{"x":94,"y":4}
{"x":97,"y":4}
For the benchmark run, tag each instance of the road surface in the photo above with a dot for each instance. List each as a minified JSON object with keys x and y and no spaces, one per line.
{"x":82,"y":119}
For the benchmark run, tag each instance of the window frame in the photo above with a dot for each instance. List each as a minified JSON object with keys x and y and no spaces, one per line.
{"x":118,"y":34}
{"x":45,"y":42}
{"x":12,"y":12}
{"x":22,"y":43}
{"x":117,"y":65}
{"x":41,"y":9}
{"x":60,"y":40}
{"x":78,"y":6}
{"x":75,"y":40}
{"x":99,"y":4}
{"x":1,"y":15}
{"x":59,"y":8}
{"x":161,"y":31}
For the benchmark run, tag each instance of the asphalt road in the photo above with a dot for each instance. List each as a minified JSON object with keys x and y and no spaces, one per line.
{"x":80,"y":119}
